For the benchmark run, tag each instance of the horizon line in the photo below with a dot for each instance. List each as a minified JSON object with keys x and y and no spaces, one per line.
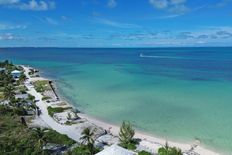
{"x":122,"y":47}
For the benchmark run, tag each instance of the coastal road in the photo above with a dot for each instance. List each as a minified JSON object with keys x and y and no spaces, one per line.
{"x":70,"y":131}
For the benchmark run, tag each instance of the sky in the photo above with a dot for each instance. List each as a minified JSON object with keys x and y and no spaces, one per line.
{"x":115,"y":23}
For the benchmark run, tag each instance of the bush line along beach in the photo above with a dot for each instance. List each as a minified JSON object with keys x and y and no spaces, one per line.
{"x":34,"y":120}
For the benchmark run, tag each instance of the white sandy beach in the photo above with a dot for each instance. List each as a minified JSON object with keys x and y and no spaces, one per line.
{"x":74,"y":131}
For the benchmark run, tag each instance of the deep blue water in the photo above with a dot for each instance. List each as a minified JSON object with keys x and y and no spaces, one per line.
{"x":189,"y":63}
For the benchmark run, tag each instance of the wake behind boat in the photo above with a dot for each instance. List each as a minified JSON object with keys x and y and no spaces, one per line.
{"x":141,"y":55}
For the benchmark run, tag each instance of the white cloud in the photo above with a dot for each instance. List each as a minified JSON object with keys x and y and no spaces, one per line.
{"x":223,"y":3}
{"x":7,"y":36}
{"x":4,"y":26}
{"x":159,"y":4}
{"x":37,"y":5}
{"x":115,"y":24}
{"x":169,"y":16}
{"x":34,"y":5}
{"x":112,"y":3}
{"x":64,"y":17}
{"x":5,"y":2}
{"x":51,"y":21}
{"x":177,"y":1}
{"x":205,"y":36}
{"x":172,"y":6}
{"x":179,"y":9}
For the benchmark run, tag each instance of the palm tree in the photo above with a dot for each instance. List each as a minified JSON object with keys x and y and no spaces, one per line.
{"x":22,"y":78}
{"x":8,"y":79}
{"x":167,"y":150}
{"x":8,"y":92}
{"x":39,"y":135}
{"x":88,"y":138}
{"x":126,"y":134}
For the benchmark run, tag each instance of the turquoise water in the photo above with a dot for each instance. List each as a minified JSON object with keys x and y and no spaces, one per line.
{"x":180,"y":94}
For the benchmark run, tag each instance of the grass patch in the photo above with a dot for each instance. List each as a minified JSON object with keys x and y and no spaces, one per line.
{"x":1,"y":89}
{"x":52,"y":111}
{"x":1,"y":96}
{"x":82,"y":150}
{"x":144,"y":153}
{"x":22,"y":89}
{"x":42,"y":85}
{"x":54,"y":137}
{"x":70,"y":123}
{"x":46,"y":98}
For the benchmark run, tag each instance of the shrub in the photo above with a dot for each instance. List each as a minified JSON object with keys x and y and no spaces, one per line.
{"x":20,"y":111}
{"x":41,"y":86}
{"x":126,"y":135}
{"x":167,"y":150}
{"x":22,"y":89}
{"x":4,"y":110}
{"x":16,"y":138}
{"x":54,"y":137}
{"x":131,"y":146}
{"x":46,"y":98}
{"x":144,"y":153}
{"x":82,"y":150}
{"x":31,"y":97}
{"x":52,"y":111}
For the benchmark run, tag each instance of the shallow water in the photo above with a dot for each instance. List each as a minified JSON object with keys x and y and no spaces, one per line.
{"x":177,"y":93}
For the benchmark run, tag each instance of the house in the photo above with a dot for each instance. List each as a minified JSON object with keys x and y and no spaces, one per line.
{"x":2,"y":69}
{"x":21,"y":96}
{"x":16,"y":73}
{"x":116,"y":150}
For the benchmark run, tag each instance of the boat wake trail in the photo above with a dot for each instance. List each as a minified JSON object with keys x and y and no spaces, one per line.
{"x":159,"y":57}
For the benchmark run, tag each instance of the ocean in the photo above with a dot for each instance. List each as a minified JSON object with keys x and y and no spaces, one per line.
{"x":180,"y":94}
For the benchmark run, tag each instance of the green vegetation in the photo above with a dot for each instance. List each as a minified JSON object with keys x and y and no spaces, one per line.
{"x":22,"y":89}
{"x":126,"y":135}
{"x":82,"y":150}
{"x":88,"y":139}
{"x":16,"y":138}
{"x":22,"y":78}
{"x":39,"y":135}
{"x":46,"y":98}
{"x":57,"y":138}
{"x":41,"y":86}
{"x":20,"y":111}
{"x":144,"y":153}
{"x":9,"y":92}
{"x":8,"y":66}
{"x":1,"y":96}
{"x":1,"y":89}
{"x":52,"y":111}
{"x":167,"y":150}
{"x":70,"y":123}
{"x":31,"y":97}
{"x":87,"y":146}
{"x":69,"y":116}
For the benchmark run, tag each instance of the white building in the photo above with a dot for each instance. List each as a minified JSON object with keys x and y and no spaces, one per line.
{"x":116,"y":150}
{"x":16,"y":73}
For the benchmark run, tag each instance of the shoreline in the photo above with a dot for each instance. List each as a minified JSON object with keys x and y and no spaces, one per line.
{"x":148,"y":140}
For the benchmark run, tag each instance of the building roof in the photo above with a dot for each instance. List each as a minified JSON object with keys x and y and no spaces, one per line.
{"x":2,"y":69}
{"x":21,"y":96}
{"x":116,"y":150}
{"x":16,"y":72}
